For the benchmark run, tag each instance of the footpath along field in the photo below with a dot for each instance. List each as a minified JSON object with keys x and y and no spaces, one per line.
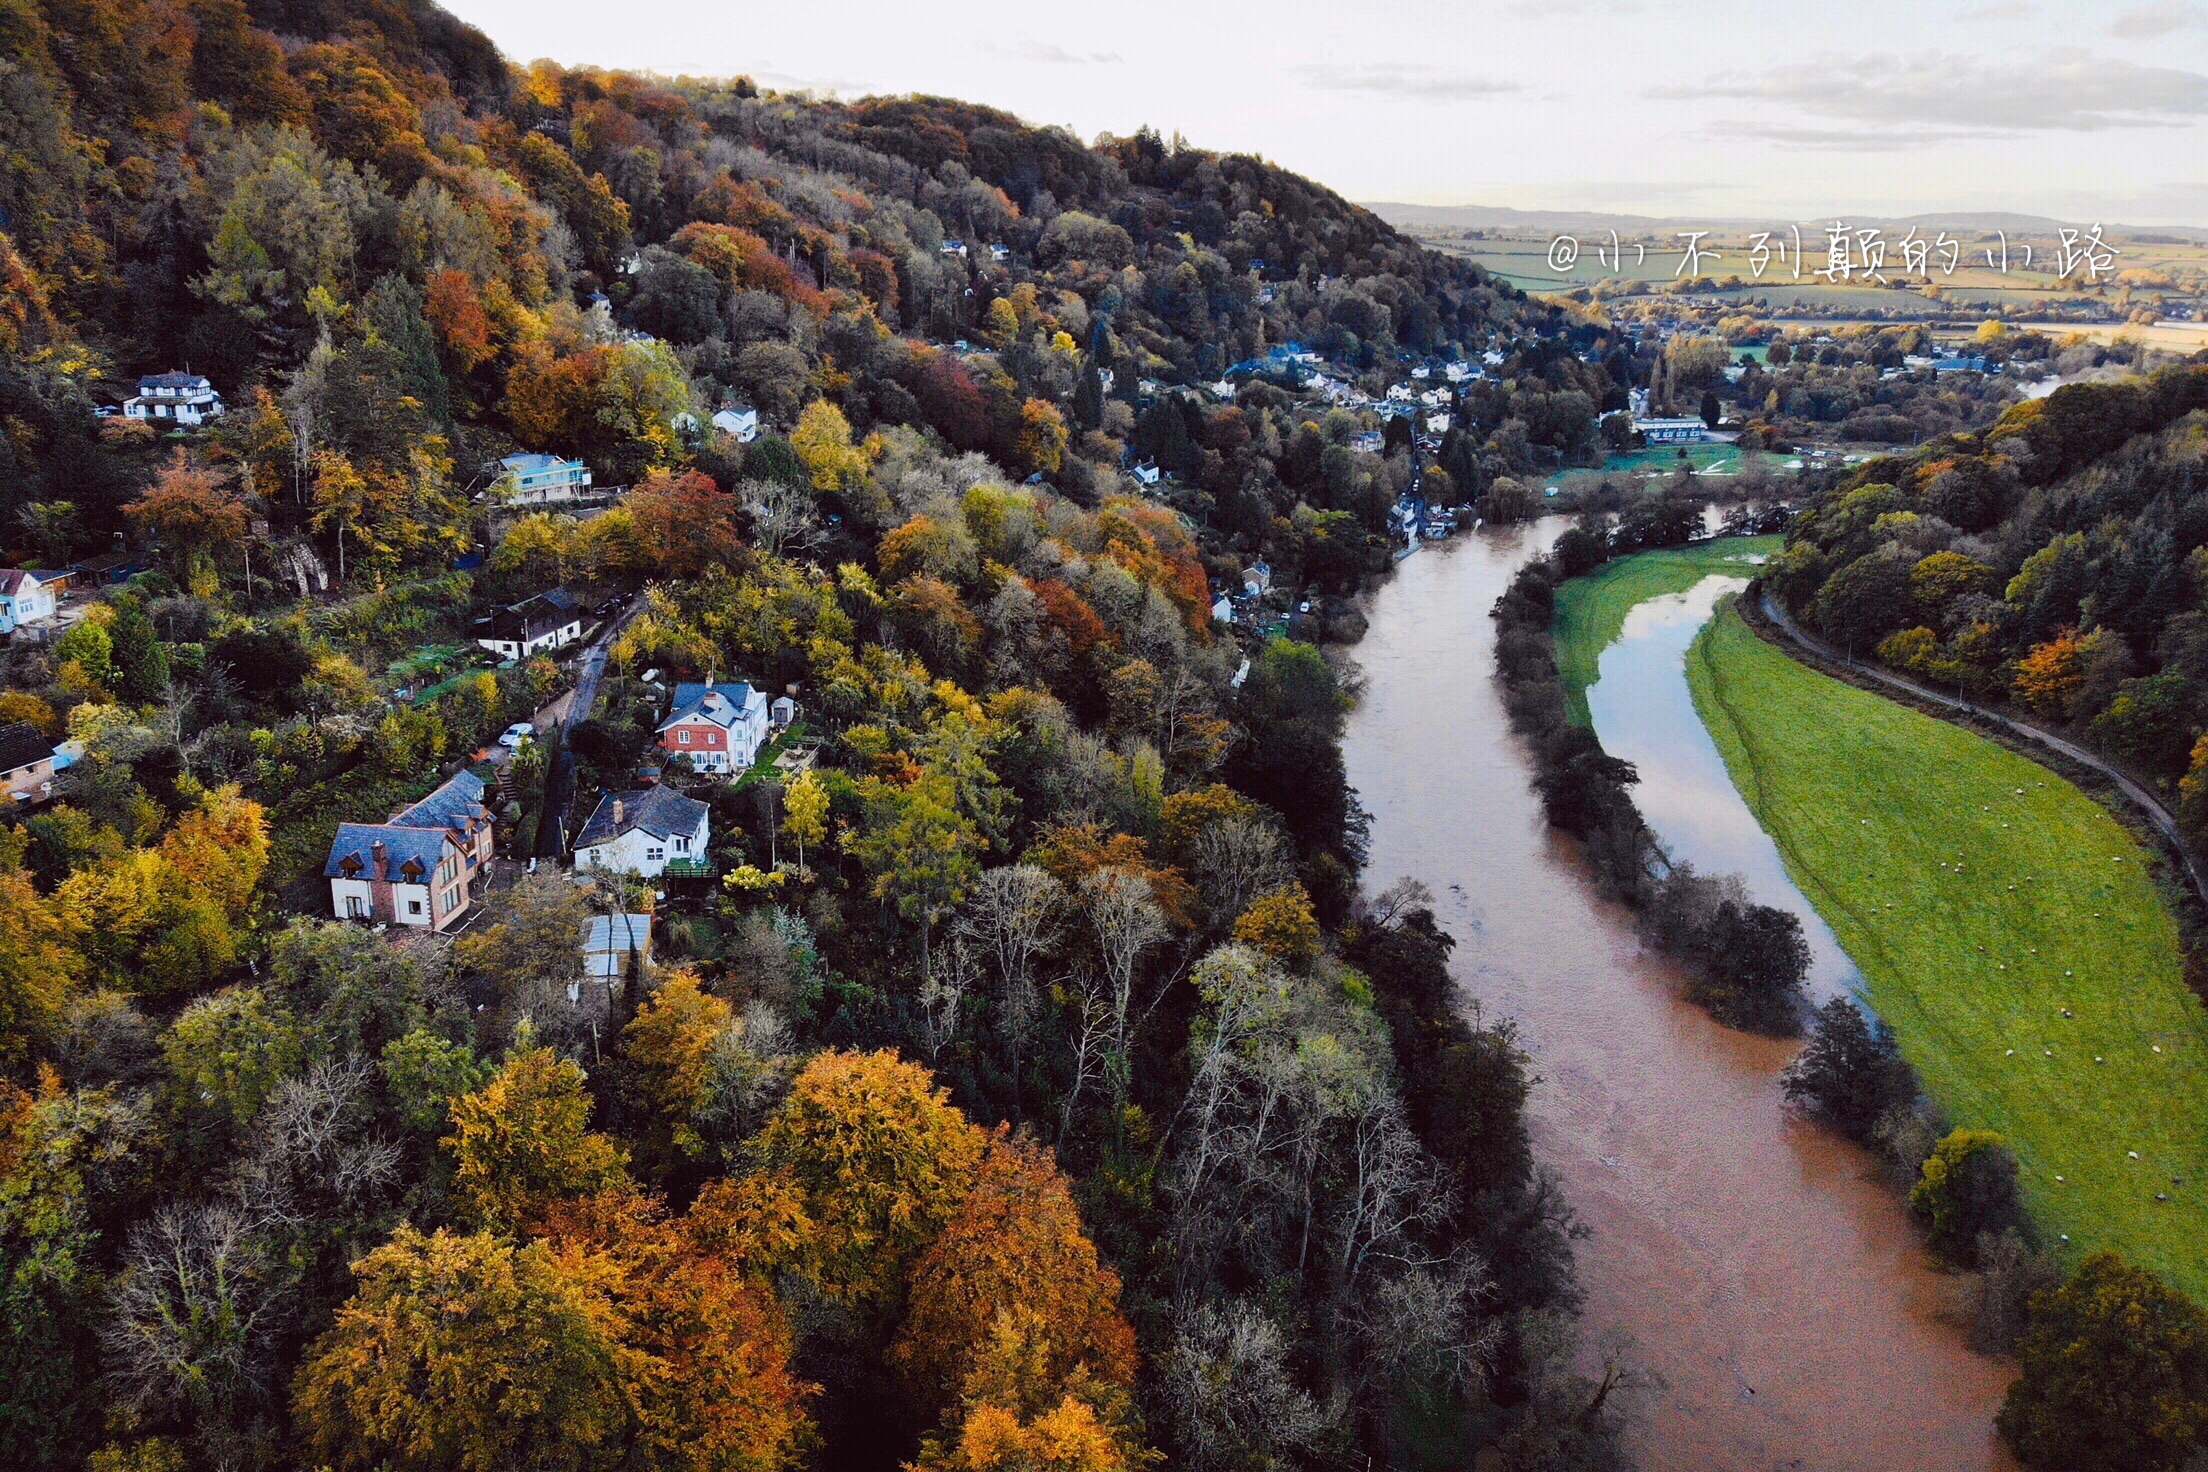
{"x":1983,"y":896}
{"x":1591,"y":610}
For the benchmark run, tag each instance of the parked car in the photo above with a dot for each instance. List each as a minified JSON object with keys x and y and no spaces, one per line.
{"x":517,"y":733}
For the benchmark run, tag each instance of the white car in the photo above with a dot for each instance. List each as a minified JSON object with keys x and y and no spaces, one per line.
{"x":517,"y":733}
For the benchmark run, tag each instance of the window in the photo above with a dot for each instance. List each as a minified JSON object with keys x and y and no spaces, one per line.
{"x":654,"y":855}
{"x":682,"y":845}
{"x":356,"y":908}
{"x":685,"y":738}
{"x":413,"y":907}
{"x":452,"y":900}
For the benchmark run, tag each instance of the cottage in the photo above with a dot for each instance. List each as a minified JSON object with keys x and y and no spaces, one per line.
{"x":642,"y":832}
{"x":25,"y":598}
{"x":521,"y":630}
{"x":179,"y":398}
{"x":26,"y":764}
{"x":1145,"y":472}
{"x":718,"y":726}
{"x":743,"y":424}
{"x":540,"y":480}
{"x":781,"y":712}
{"x":420,"y":868}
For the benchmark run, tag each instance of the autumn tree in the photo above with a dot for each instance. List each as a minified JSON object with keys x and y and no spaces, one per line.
{"x":1016,"y":1243}
{"x":523,"y":1140}
{"x":195,"y":513}
{"x":467,"y":1354}
{"x":872,"y":1158}
{"x":805,"y":813}
{"x":2114,"y":1374}
{"x":666,"y":1062}
{"x":685,"y":524}
{"x":2048,"y":676}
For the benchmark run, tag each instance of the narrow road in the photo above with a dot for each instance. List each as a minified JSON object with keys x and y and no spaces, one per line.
{"x":590,"y":669}
{"x":2162,"y":818}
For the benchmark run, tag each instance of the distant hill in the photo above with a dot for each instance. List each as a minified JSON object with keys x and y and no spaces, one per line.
{"x":1497,"y":217}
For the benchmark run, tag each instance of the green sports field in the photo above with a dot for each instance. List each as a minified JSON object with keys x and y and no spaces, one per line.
{"x":1590,"y":611}
{"x":1982,"y":895}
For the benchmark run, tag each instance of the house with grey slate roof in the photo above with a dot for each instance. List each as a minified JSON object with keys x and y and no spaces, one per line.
{"x":642,"y":832}
{"x":422,"y":867}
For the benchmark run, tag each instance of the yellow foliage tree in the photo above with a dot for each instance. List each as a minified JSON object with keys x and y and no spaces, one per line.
{"x":822,"y":441}
{"x":523,"y":1140}
{"x":873,"y":1159}
{"x":1281,"y":923}
{"x":221,"y":848}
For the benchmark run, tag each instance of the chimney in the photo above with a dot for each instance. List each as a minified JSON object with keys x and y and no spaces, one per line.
{"x":378,"y":853}
{"x":620,"y":811}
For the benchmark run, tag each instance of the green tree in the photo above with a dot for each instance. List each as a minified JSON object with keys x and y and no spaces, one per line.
{"x":1966,"y":1190}
{"x":2114,"y":1375}
{"x":141,"y":663}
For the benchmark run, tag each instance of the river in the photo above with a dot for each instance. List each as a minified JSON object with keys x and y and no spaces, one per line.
{"x":1776,"y":1288}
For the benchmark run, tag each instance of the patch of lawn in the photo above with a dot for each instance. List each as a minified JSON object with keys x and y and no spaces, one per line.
{"x":1980,"y":895}
{"x":1720,"y":458}
{"x":1590,"y":611}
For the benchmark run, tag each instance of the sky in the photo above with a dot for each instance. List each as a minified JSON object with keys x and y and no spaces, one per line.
{"x":1778,"y":109}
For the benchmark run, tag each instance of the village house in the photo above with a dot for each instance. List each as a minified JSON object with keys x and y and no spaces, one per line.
{"x":421,"y":867}
{"x":26,"y":764}
{"x":742,"y":424}
{"x":25,"y":598}
{"x":551,"y":620}
{"x":541,"y":480}
{"x":642,"y":832}
{"x":180,"y":398}
{"x":718,"y":726}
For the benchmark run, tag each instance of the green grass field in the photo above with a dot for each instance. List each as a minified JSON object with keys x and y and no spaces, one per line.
{"x":1980,"y":894}
{"x":1590,"y":611}
{"x":1720,"y":459}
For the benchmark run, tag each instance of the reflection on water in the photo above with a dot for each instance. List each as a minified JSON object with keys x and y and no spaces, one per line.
{"x":1644,"y":713}
{"x":1778,"y":1290}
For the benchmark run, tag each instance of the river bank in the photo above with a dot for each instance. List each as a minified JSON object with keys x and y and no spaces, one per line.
{"x":1775,"y":1286}
{"x":2009,"y":931}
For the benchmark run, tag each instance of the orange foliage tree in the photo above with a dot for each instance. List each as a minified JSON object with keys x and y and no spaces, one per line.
{"x":1016,"y":1243}
{"x":685,"y":523}
{"x":2051,"y":673}
{"x":523,"y":1140}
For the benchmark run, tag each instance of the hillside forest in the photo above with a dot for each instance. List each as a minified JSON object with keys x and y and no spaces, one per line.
{"x":1041,"y":1087}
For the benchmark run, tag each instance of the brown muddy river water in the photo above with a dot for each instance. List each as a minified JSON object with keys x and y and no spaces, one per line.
{"x":1776,"y":1288}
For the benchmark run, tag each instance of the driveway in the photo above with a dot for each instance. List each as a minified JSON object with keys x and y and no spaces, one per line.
{"x":2163,"y":819}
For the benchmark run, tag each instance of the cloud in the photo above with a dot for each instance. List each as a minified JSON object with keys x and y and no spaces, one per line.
{"x":2148,"y":22}
{"x":1049,"y":53}
{"x":1406,"y":80}
{"x":1887,"y":101}
{"x":2010,"y":10}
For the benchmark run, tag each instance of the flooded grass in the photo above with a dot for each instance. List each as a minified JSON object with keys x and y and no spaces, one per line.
{"x":2006,"y":926}
{"x":1590,"y":611}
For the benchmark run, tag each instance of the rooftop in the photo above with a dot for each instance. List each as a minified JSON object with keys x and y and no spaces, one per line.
{"x":657,"y":810}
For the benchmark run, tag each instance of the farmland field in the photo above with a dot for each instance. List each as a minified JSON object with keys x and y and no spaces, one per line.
{"x":1984,"y":898}
{"x":1590,"y":611}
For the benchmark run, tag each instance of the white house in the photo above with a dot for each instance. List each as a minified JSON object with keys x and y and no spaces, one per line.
{"x":25,"y":598}
{"x":1677,"y":431}
{"x":542,"y":480}
{"x":642,"y":832}
{"x":403,"y":876}
{"x":421,"y":867}
{"x":1145,"y":472}
{"x":718,"y":726}
{"x":742,"y":423}
{"x":781,"y":711}
{"x":181,"y":398}
{"x":521,"y":630}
